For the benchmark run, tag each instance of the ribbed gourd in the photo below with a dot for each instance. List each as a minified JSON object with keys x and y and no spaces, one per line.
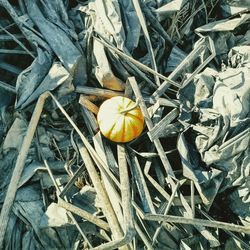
{"x":120,"y":119}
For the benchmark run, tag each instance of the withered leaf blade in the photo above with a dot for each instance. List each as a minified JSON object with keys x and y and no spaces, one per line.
{"x":183,"y":183}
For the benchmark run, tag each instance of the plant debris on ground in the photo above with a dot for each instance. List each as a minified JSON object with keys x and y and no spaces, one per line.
{"x":183,"y":183}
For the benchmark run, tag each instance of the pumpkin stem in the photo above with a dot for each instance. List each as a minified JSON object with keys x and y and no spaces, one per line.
{"x":130,"y":108}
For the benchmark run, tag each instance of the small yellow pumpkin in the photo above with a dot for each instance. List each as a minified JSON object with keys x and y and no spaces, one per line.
{"x":120,"y":119}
